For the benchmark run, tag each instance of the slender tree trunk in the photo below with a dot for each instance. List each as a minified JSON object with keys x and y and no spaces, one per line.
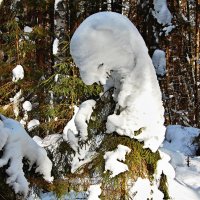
{"x":116,"y":6}
{"x":197,"y":62}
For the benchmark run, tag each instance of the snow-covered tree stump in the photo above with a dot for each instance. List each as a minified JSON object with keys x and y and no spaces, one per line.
{"x":107,"y":48}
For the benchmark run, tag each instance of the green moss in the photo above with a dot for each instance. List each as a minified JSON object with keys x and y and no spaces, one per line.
{"x":163,"y":186}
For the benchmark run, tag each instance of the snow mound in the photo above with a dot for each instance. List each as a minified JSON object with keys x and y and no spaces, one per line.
{"x":180,"y":139}
{"x":17,"y":144}
{"x":107,"y":48}
{"x":159,"y":62}
{"x":18,"y":73}
{"x":113,"y":159}
{"x":179,"y":145}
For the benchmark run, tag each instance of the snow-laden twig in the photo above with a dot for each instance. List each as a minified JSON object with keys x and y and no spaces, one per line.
{"x":16,"y":145}
{"x":118,"y":50}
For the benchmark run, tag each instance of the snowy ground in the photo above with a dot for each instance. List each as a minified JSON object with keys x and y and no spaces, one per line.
{"x":178,"y":144}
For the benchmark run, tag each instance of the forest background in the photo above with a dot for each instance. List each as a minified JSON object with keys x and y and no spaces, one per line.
{"x":36,"y":35}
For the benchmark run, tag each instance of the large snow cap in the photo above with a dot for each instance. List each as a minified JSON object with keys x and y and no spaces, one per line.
{"x":108,"y":48}
{"x":100,"y":39}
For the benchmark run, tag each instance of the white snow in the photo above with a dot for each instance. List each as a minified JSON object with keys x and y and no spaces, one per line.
{"x":33,"y":124}
{"x":83,"y":116}
{"x":78,"y":124}
{"x":81,"y":157}
{"x":72,"y":139}
{"x":163,"y":166}
{"x":113,"y":158}
{"x":168,"y":29}
{"x":143,"y":189}
{"x":56,"y":4}
{"x":16,"y":101}
{"x":107,"y":48}
{"x":161,"y":12}
{"x":179,"y":145}
{"x":70,"y":132}
{"x":28,"y":29}
{"x":27,"y":106}
{"x":56,"y":77}
{"x":71,"y":125}
{"x":159,"y":62}
{"x":17,"y":144}
{"x":18,"y":73}
{"x":180,"y":138}
{"x":55,"y":46}
{"x":48,"y":140}
{"x":71,"y":195}
{"x":94,"y":192}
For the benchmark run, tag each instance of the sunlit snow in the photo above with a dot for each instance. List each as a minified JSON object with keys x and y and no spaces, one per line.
{"x":55,"y":46}
{"x":18,"y":73}
{"x":27,"y":106}
{"x":33,"y":124}
{"x":143,"y":189}
{"x":113,"y":158}
{"x":17,"y":144}
{"x":83,"y":116}
{"x":28,"y":29}
{"x":94,"y":192}
{"x":107,"y":48}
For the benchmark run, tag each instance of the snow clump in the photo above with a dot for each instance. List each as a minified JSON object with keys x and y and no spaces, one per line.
{"x":16,"y":145}
{"x":33,"y":124}
{"x":27,"y":106}
{"x":161,"y":12}
{"x":107,"y":48}
{"x":78,"y":126}
{"x":113,"y":159}
{"x":83,"y":116}
{"x":18,"y":73}
{"x":94,"y":192}
{"x":28,"y":29}
{"x":55,"y":46}
{"x":16,"y":101}
{"x":159,"y":62}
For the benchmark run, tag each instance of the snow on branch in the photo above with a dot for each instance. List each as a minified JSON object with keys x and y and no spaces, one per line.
{"x":83,"y":115}
{"x":161,"y":12}
{"x":159,"y":62}
{"x":94,"y":192}
{"x":107,"y":48}
{"x":16,"y":145}
{"x":113,"y":159}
